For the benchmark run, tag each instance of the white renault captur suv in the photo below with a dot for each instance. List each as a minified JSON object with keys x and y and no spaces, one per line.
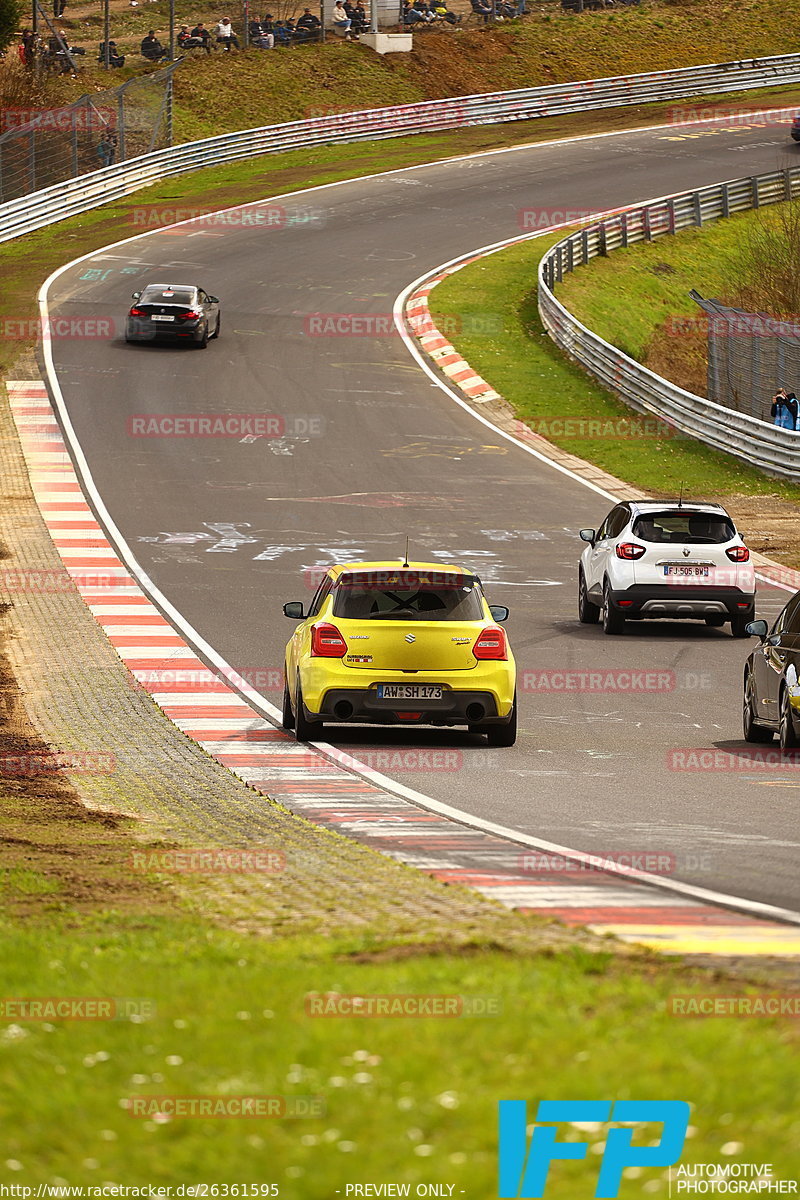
{"x":673,"y":559}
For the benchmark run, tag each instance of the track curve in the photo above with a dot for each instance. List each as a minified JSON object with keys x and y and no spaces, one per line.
{"x":226,"y":529}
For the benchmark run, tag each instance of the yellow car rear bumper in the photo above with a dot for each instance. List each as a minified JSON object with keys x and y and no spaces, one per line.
{"x":327,"y":682}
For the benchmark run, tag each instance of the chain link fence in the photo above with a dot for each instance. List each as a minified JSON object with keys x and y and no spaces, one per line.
{"x":42,"y":147}
{"x":750,"y":356}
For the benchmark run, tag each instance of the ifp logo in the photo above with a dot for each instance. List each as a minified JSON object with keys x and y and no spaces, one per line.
{"x":524,"y":1171}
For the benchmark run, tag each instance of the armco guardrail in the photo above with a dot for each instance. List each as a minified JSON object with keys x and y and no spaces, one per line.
{"x":111,"y":183}
{"x":774,"y":450}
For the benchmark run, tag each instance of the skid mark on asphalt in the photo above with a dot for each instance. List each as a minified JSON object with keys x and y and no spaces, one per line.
{"x":316,"y":785}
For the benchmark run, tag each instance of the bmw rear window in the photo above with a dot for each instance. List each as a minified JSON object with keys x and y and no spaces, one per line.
{"x":407,"y":596}
{"x":671,"y":526}
{"x":167,"y":296}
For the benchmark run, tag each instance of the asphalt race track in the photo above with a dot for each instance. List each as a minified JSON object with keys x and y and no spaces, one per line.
{"x":228,"y":529}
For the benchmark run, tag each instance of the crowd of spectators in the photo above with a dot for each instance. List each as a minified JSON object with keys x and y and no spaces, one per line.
{"x":54,"y":52}
{"x":498,"y":10}
{"x":349,"y":19}
{"x":270,"y":32}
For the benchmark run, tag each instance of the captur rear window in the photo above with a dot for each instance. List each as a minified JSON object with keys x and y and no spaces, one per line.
{"x":407,"y":596}
{"x":680,"y":525}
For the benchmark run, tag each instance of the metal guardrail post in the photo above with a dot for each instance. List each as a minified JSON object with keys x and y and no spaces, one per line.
{"x":121,"y":125}
{"x":74,"y":140}
{"x":168,"y":114}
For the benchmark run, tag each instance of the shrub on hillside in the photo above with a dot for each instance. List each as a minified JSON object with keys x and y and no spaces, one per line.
{"x":10,"y":12}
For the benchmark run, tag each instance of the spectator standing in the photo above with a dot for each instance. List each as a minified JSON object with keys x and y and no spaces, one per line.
{"x":794,"y":408}
{"x":225,"y":35}
{"x":341,"y":21}
{"x":784,"y":409}
{"x":107,"y":149}
{"x":28,"y":48}
{"x":204,"y":34}
{"x":151,"y":47}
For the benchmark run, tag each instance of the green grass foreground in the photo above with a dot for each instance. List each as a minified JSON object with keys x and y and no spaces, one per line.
{"x":405,"y":1100}
{"x":517,"y":358}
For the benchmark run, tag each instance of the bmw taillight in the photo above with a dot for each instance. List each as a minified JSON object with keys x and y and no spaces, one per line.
{"x":738,"y":553}
{"x":137,"y":312}
{"x":630,"y":550}
{"x":189,"y":316}
{"x":491,"y":644}
{"x":327,"y":642}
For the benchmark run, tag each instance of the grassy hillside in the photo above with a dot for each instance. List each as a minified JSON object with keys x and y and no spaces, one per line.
{"x":228,"y":91}
{"x":636,"y":297}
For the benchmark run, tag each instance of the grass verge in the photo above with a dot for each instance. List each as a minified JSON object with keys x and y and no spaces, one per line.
{"x":203,"y":1008}
{"x":221,"y":1015}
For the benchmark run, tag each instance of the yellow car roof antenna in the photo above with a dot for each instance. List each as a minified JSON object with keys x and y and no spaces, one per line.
{"x":405,"y":560}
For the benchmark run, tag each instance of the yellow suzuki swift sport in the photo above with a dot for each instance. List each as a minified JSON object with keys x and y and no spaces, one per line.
{"x":410,"y":644}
